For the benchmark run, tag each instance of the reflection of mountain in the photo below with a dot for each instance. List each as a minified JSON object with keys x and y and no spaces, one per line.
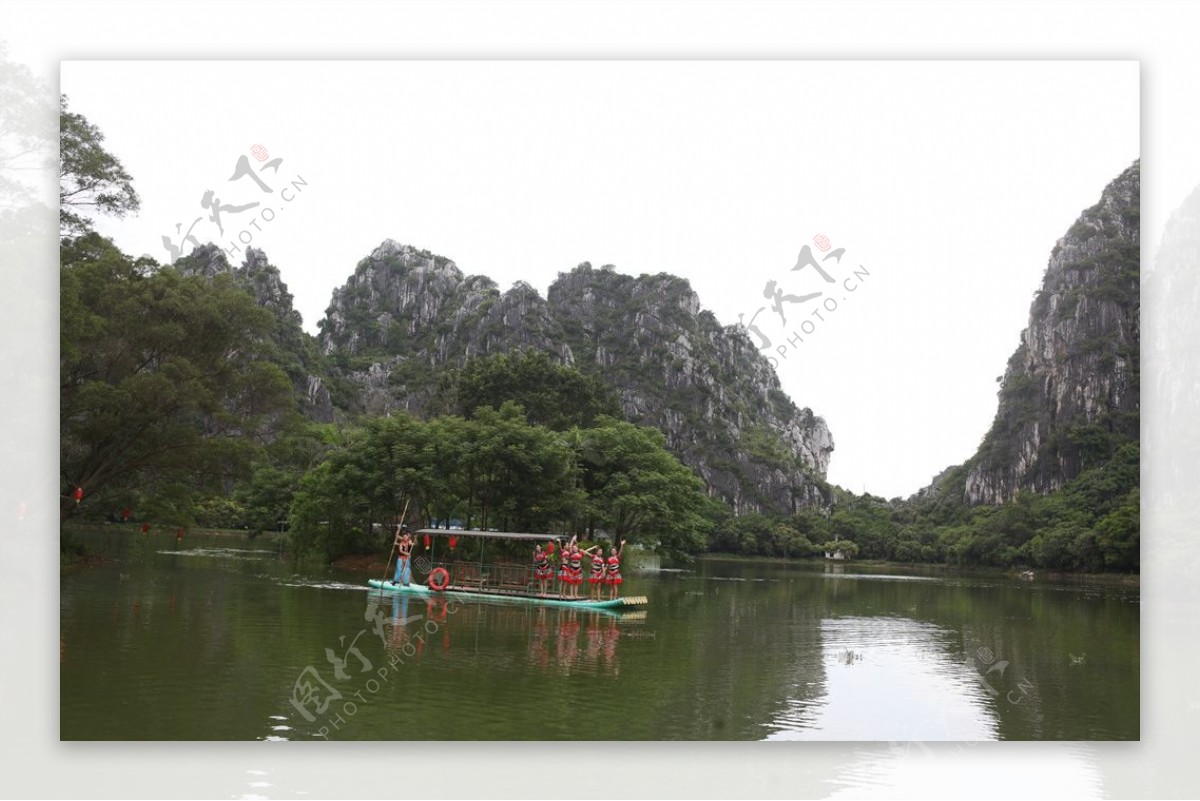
{"x":1004,"y":645}
{"x":1019,"y":639}
{"x":898,"y":676}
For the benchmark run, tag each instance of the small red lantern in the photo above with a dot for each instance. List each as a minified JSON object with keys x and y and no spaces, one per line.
{"x":77,"y":494}
{"x":427,"y":540}
{"x":453,"y":541}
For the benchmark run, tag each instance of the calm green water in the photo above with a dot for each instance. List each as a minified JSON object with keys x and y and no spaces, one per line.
{"x":216,"y":640}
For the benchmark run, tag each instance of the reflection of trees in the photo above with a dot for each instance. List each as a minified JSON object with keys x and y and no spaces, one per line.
{"x":177,"y":654}
{"x":724,"y":660}
{"x":712,"y":659}
{"x":1041,"y":694}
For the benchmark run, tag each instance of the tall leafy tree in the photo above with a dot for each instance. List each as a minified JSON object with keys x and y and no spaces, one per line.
{"x":637,"y":489}
{"x":164,"y":379}
{"x":524,"y":472}
{"x":90,"y":179}
{"x":495,"y":471}
{"x":553,"y":395}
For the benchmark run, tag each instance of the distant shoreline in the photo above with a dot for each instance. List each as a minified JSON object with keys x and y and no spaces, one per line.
{"x":1129,"y":579}
{"x":370,"y":563}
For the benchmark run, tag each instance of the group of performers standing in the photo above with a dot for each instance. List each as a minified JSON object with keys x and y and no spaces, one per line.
{"x":605,"y":572}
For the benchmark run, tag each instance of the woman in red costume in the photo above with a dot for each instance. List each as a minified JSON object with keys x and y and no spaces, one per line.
{"x":612,"y":572}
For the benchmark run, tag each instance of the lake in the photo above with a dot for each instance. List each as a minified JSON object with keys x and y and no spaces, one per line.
{"x":218,"y":639}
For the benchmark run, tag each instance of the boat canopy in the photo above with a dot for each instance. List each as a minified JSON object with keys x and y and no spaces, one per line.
{"x":496,"y":535}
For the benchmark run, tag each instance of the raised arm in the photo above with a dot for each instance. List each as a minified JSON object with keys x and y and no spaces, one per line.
{"x":621,"y":550}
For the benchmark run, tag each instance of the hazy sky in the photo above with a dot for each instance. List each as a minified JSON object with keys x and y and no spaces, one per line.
{"x":947,"y":184}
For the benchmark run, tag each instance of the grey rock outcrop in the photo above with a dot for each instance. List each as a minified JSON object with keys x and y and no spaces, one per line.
{"x":296,"y":353}
{"x":1071,"y":389}
{"x":406,"y":317}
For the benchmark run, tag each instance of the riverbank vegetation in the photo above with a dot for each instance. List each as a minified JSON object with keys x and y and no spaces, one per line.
{"x":1090,"y":525}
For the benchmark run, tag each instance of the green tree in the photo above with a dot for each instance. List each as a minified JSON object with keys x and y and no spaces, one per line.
{"x":1118,"y":535}
{"x":321,"y":518}
{"x":638,"y":490}
{"x":495,"y":471}
{"x":163,"y":379}
{"x":90,"y":178}
{"x":267,"y":497}
{"x":867,"y":522}
{"x":553,"y":395}
{"x":524,"y":473}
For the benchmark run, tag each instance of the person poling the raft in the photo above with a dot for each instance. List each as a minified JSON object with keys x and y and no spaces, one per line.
{"x":404,"y":546}
{"x":612,"y":573}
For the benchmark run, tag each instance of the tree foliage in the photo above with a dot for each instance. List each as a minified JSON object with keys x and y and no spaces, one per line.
{"x":164,"y":380}
{"x":90,"y":178}
{"x":498,"y":470}
{"x":636,"y":488}
{"x":553,"y":395}
{"x":1091,"y":524}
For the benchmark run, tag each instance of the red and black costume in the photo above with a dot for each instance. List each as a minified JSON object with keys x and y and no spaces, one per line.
{"x":541,"y":566}
{"x":597,"y":569}
{"x":613,"y":574}
{"x":576,"y":566}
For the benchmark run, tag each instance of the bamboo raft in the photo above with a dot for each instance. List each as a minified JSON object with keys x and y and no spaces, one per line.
{"x":516,"y":596}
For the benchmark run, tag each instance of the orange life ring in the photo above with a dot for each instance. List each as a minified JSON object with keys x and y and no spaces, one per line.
{"x":439,"y":579}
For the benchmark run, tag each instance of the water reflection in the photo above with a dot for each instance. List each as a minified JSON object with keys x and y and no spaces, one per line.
{"x":596,"y":655}
{"x":418,"y":622}
{"x":557,"y":641}
{"x":782,"y":653}
{"x":222,"y":553}
{"x":889,"y":678}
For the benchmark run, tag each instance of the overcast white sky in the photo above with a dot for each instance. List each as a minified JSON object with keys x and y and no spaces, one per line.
{"x":948,"y":181}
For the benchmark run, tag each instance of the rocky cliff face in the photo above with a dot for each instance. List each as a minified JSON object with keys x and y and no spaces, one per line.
{"x":706,"y":387}
{"x":296,"y":352}
{"x":406,"y":316}
{"x":1071,"y":389}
